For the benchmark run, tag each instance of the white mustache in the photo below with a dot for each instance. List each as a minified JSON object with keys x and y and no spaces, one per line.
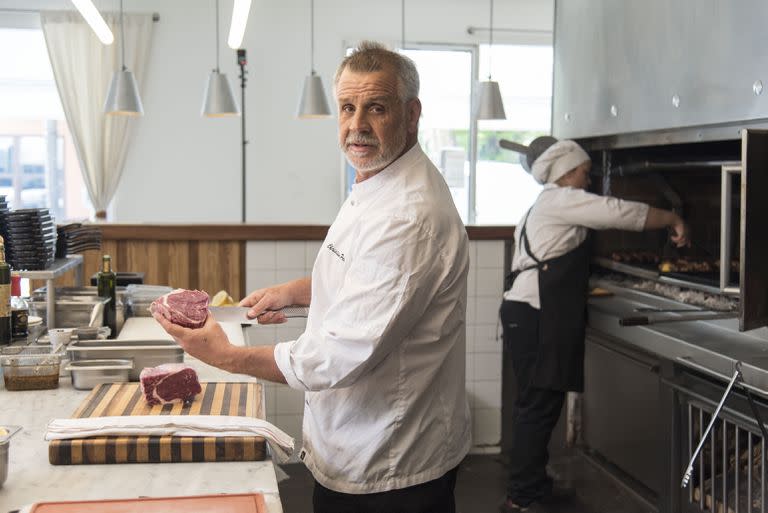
{"x":361,"y":139}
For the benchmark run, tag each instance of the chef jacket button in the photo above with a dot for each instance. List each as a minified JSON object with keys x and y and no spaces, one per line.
{"x":353,"y":203}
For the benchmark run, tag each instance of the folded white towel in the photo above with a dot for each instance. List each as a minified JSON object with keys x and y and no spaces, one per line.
{"x":173,"y":425}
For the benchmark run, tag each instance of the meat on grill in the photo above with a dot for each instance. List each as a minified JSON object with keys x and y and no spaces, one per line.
{"x":188,"y":308}
{"x":169,"y":383}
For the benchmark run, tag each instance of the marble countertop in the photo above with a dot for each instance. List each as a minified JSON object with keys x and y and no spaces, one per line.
{"x":31,"y":478}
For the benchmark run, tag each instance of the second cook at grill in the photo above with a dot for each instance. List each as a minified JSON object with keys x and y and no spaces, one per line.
{"x":544,"y":310}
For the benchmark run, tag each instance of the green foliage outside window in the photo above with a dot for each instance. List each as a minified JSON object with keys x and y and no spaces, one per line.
{"x":488,"y":143}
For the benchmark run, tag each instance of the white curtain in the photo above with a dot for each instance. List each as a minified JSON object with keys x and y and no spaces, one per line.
{"x":83,"y":67}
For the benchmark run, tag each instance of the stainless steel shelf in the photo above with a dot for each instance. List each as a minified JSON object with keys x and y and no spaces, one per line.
{"x":59,"y":267}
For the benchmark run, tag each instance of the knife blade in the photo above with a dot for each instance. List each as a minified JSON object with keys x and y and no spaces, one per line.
{"x":240,"y":313}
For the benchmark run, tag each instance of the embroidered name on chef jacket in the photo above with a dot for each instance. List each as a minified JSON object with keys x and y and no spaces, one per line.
{"x":336,"y":252}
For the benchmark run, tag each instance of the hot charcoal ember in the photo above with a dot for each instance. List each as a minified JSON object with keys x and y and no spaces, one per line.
{"x":719,"y":303}
{"x":725,"y":472}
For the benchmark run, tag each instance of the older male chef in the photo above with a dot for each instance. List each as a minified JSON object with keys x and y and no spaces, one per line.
{"x":544,"y":312}
{"x":382,"y":359}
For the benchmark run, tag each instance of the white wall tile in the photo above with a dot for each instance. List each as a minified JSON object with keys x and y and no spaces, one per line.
{"x":472,"y":254}
{"x":487,"y":309}
{"x":289,"y":401}
{"x":486,"y":426}
{"x":470,"y":337}
{"x":290,"y":255}
{"x":487,"y":394}
{"x":258,"y":279}
{"x":288,"y":332}
{"x":490,"y":282}
{"x":262,"y":335}
{"x":470,"y":367}
{"x":486,"y":339}
{"x":283,"y":275}
{"x":260,"y":255}
{"x":471,"y":311}
{"x":311,"y":249}
{"x":269,"y":398}
{"x":470,"y":397}
{"x":490,"y":254}
{"x":487,"y":367}
{"x":291,"y":424}
{"x":472,"y":281}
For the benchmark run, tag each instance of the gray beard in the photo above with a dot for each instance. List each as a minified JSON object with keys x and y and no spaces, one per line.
{"x":385,"y":158}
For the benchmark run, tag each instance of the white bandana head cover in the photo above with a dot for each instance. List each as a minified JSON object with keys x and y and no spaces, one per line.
{"x":557,"y":160}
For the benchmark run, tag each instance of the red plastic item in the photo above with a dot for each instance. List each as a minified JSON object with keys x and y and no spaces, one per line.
{"x":223,"y":503}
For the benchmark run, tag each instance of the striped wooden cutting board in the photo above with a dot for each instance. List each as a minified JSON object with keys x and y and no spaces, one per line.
{"x":118,"y":399}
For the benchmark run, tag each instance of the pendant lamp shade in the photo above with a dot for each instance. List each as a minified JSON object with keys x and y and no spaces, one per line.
{"x":123,"y":96}
{"x":490,"y":104}
{"x":219,"y":100}
{"x":314,"y":103}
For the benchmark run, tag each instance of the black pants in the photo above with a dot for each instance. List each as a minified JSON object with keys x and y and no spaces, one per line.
{"x":536,"y":410}
{"x":434,"y":496}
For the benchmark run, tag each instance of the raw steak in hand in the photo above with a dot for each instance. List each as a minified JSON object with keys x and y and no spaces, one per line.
{"x":169,"y":383}
{"x":187,"y":308}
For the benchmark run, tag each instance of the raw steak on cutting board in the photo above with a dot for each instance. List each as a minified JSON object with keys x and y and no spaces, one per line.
{"x":169,"y":383}
{"x":187,"y":308}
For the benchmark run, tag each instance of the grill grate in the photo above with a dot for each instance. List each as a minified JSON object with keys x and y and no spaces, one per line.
{"x":729,"y":474}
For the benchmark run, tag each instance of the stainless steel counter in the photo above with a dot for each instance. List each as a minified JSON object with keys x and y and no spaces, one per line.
{"x":706,"y":346}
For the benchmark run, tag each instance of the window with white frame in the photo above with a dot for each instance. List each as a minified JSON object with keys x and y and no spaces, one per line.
{"x":467,"y":153}
{"x":38,"y":162}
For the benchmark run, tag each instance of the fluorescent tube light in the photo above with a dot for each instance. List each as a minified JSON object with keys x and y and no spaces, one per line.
{"x":94,"y":19}
{"x":239,"y":18}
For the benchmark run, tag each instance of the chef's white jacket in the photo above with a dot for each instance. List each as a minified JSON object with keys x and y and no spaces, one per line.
{"x":382,"y":359}
{"x":558,"y":222}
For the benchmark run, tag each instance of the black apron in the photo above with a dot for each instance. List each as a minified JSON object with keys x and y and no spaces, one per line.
{"x":563,"y":289}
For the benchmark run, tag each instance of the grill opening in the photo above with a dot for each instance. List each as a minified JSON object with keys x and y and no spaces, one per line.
{"x":729,"y":472}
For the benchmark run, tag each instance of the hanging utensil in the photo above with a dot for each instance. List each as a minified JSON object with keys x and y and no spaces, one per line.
{"x":689,"y":468}
{"x":647,"y":320}
{"x":529,"y":154}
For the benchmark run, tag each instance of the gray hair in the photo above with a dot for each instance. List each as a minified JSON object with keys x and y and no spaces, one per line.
{"x":371,"y":56}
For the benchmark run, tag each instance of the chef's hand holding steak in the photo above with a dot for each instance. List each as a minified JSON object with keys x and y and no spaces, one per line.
{"x":187,"y":308}
{"x":382,"y":359}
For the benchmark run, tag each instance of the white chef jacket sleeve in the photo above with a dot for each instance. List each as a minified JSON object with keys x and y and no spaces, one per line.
{"x":396,"y":271}
{"x":600,"y":212}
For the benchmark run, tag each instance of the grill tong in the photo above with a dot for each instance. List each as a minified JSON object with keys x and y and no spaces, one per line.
{"x":737,"y":376}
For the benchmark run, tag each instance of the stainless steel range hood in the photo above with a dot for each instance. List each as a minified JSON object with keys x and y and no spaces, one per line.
{"x":638,"y":73}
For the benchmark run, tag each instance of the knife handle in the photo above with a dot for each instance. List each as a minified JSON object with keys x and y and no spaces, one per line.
{"x":634,"y":321}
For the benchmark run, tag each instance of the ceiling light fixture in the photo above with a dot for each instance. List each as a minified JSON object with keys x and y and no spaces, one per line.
{"x":240,"y":11}
{"x":313,"y":101}
{"x":94,"y":19}
{"x":490,"y":104}
{"x":123,"y":97}
{"x":219,"y":100}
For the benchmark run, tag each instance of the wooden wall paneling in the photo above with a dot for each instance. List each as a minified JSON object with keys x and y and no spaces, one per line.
{"x":219,"y":267}
{"x":178,"y":253}
{"x":148,"y":257}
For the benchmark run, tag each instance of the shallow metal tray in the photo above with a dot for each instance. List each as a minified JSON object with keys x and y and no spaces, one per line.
{"x":144,"y":353}
{"x":86,"y":374}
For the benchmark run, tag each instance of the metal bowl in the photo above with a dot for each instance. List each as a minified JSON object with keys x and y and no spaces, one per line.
{"x":86,"y":374}
{"x":5,"y":444}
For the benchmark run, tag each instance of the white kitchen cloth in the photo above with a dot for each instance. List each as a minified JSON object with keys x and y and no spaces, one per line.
{"x":280,"y":442}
